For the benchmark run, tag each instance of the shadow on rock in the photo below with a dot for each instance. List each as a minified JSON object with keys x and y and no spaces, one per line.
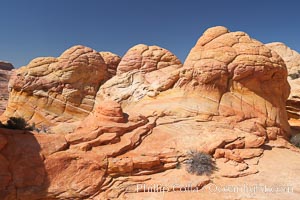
{"x":22,"y":170}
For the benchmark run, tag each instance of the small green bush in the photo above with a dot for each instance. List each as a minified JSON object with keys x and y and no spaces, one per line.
{"x":200,"y":163}
{"x":295,"y":140}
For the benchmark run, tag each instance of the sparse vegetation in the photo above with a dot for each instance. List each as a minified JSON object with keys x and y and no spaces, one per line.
{"x":17,"y":123}
{"x":42,"y":129}
{"x":20,"y":123}
{"x":295,"y":75}
{"x":200,"y":163}
{"x":295,"y":140}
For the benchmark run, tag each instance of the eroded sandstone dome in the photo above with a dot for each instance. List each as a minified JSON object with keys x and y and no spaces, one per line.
{"x":240,"y":74}
{"x":50,"y":90}
{"x":228,"y":74}
{"x":143,"y":71}
{"x":227,"y":100}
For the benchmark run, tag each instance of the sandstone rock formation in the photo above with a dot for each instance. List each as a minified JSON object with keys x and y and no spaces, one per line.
{"x":5,"y":73}
{"x":292,"y":60}
{"x":234,"y":74}
{"x":227,"y":100}
{"x":50,"y":90}
{"x":290,"y":56}
{"x":6,"y":65}
{"x":112,"y":61}
{"x":226,"y":75}
{"x":143,"y":71}
{"x":293,"y":102}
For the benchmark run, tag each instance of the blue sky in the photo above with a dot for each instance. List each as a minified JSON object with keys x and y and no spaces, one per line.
{"x":34,"y":28}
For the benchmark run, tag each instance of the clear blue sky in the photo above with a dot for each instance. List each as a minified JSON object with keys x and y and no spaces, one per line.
{"x":33,"y":28}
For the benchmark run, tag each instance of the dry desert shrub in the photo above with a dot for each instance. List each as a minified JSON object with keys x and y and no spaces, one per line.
{"x":200,"y":163}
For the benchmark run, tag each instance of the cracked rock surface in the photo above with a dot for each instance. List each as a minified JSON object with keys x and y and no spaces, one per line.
{"x":123,"y":123}
{"x":51,"y":90}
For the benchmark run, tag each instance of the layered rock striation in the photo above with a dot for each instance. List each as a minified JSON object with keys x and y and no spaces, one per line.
{"x":5,"y":73}
{"x":237,"y":76}
{"x":143,"y":71}
{"x":51,"y":90}
{"x":292,"y":60}
{"x":227,"y":75}
{"x":290,"y":56}
{"x":139,"y":120}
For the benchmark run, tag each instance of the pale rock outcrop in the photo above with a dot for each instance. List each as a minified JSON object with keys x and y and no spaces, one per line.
{"x":293,"y":102}
{"x":50,"y":90}
{"x":290,"y":56}
{"x":144,"y":70}
{"x":5,"y":73}
{"x":292,"y":60}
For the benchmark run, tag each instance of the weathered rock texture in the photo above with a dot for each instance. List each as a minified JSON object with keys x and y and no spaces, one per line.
{"x":50,"y":90}
{"x":227,"y":75}
{"x":238,"y":76}
{"x":143,"y":71}
{"x":112,"y":61}
{"x":292,"y":60}
{"x":5,"y":73}
{"x":290,"y":56}
{"x":293,"y":102}
{"x":227,"y":100}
